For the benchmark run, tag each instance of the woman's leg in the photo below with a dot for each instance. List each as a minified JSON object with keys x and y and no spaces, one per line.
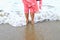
{"x":26,"y":10}
{"x":27,"y":17}
{"x":32,"y":18}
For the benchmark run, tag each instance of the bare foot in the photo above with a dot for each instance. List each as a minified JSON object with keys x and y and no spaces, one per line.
{"x":27,"y":22}
{"x":32,"y":22}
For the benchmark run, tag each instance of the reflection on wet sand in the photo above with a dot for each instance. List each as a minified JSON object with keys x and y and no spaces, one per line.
{"x":31,"y":34}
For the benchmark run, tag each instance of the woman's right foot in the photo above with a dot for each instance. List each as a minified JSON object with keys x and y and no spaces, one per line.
{"x":32,"y":22}
{"x":27,"y":22}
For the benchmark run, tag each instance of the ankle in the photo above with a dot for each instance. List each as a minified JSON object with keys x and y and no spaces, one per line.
{"x":32,"y":22}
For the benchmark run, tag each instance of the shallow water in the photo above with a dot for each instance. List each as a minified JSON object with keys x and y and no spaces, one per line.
{"x":39,"y":31}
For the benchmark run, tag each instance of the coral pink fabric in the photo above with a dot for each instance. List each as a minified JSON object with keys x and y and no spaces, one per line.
{"x":30,"y":4}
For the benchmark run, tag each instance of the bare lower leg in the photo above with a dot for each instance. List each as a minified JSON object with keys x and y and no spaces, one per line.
{"x":32,"y":18}
{"x":27,"y":16}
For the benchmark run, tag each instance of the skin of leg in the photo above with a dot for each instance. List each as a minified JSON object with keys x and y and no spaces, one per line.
{"x":32,"y":17}
{"x":27,"y":17}
{"x":32,"y":14}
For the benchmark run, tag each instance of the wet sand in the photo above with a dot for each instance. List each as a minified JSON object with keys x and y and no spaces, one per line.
{"x":40,"y":31}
